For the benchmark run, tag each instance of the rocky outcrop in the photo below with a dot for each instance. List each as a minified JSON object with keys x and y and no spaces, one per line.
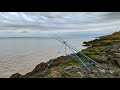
{"x":16,"y":75}
{"x":104,"y":50}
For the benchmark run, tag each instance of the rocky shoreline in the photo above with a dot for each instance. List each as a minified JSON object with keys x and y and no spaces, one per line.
{"x":105,"y":50}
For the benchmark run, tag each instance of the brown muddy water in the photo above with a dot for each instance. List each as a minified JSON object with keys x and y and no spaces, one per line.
{"x":23,"y":54}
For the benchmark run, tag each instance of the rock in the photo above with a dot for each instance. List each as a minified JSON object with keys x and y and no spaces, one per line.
{"x":40,"y":67}
{"x":102,"y":71}
{"x":116,"y":73}
{"x":101,"y":58}
{"x":111,"y":72}
{"x":116,"y":55}
{"x":118,"y":62}
{"x":79,"y":73}
{"x":16,"y":75}
{"x":95,"y":71}
{"x":55,"y":74}
{"x":68,"y":68}
{"x":102,"y":50}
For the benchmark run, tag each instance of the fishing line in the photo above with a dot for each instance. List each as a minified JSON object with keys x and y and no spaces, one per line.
{"x":52,"y":60}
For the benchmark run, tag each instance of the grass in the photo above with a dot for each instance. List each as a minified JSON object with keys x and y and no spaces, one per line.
{"x":99,"y":51}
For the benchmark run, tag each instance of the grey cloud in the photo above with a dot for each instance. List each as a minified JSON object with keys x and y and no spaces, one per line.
{"x":48,"y":21}
{"x":112,"y":15}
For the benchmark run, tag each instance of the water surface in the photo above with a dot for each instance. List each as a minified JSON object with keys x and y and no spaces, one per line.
{"x":23,"y":54}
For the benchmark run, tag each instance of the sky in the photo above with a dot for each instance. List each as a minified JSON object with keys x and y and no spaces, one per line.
{"x":40,"y":24}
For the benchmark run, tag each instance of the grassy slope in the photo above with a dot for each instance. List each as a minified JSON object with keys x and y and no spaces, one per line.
{"x":102,"y":50}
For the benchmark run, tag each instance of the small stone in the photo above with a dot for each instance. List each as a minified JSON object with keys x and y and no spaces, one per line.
{"x":102,"y":71}
{"x":94,"y":71}
{"x":118,"y":62}
{"x":117,"y":55}
{"x":111,"y":72}
{"x":68,"y":68}
{"x":79,"y":73}
{"x":116,"y":73}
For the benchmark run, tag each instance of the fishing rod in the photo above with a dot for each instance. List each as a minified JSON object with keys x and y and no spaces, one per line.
{"x":88,"y":58}
{"x":64,"y":42}
{"x":78,"y":58}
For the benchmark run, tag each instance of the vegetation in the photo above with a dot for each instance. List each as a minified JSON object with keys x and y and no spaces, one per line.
{"x":105,"y":51}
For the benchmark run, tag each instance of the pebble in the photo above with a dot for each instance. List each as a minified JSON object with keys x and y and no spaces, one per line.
{"x":102,"y":71}
{"x":111,"y":72}
{"x":68,"y":68}
{"x":79,"y":73}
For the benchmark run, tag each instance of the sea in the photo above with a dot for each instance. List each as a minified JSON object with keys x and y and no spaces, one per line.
{"x":21,"y":55}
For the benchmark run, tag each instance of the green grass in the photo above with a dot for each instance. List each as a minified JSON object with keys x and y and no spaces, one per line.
{"x":75,"y":62}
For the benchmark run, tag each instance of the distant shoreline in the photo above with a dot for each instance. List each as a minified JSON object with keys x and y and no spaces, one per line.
{"x":39,"y":37}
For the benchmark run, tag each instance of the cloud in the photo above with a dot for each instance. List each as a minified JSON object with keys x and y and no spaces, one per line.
{"x":42,"y":22}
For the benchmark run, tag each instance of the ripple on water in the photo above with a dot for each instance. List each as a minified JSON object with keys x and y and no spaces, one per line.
{"x":22,"y":55}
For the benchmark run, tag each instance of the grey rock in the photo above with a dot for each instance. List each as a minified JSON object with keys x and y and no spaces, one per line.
{"x":117,"y":55}
{"x":102,"y":70}
{"x":68,"y":68}
{"x":79,"y":73}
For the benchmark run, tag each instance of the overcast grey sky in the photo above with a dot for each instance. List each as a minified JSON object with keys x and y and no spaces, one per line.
{"x":41,"y":23}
